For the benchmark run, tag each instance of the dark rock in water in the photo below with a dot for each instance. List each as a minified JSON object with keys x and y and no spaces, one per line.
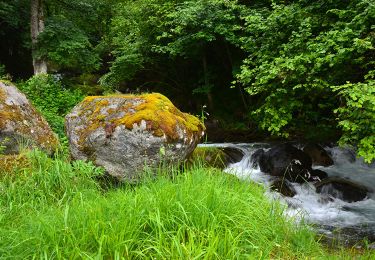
{"x":343,"y":189}
{"x":257,"y":159}
{"x":349,"y":236}
{"x":318,"y":155}
{"x":288,"y":161}
{"x":233,"y":154}
{"x":284,"y":187}
{"x":319,"y":174}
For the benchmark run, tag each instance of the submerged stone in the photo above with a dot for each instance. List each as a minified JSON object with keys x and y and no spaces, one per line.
{"x":343,"y":189}
{"x":284,"y":160}
{"x":128,"y":133}
{"x":21,"y":126}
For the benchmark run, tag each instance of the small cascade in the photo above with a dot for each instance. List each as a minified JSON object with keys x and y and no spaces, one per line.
{"x":327,"y":210}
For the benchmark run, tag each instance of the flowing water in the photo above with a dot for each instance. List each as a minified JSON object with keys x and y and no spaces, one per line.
{"x":340,"y":221}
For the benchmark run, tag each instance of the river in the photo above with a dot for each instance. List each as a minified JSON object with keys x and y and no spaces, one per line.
{"x":339,"y":221}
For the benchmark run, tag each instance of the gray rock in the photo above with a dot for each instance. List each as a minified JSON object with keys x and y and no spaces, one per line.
{"x":21,"y":126}
{"x":127,"y":134}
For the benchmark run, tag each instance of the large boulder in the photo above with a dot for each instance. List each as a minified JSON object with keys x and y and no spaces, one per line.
{"x":128,"y":133}
{"x":284,"y":160}
{"x":21,"y":126}
{"x":318,"y":155}
{"x":343,"y":189}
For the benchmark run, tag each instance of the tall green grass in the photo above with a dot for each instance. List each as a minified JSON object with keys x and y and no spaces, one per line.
{"x":56,"y":209}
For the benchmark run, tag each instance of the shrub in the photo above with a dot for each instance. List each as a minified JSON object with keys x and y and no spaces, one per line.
{"x":51,"y":98}
{"x":357,"y":116}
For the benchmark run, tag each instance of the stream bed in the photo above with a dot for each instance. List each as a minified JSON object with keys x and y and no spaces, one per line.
{"x":338,"y":221}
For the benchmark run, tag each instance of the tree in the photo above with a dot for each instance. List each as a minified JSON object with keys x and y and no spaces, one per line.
{"x":15,"y":37}
{"x":37,"y":27}
{"x":305,"y":60}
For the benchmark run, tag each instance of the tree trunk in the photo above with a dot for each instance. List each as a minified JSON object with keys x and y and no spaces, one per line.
{"x":37,"y":26}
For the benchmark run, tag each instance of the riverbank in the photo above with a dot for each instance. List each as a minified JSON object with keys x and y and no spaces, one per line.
{"x":53,"y":208}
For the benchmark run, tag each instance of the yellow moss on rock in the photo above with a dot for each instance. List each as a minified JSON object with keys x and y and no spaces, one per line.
{"x":2,"y":95}
{"x":157,"y":111}
{"x":26,"y":122}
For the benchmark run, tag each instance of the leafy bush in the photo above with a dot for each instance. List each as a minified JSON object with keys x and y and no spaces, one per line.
{"x":357,"y":117}
{"x":297,"y":52}
{"x":51,"y":98}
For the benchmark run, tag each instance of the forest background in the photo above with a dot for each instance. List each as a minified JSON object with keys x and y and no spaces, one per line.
{"x":292,"y":69}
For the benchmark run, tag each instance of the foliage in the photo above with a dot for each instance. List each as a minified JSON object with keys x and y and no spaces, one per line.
{"x":67,"y":46}
{"x":193,"y":24}
{"x":284,"y":59}
{"x":2,"y":71}
{"x":15,"y":36}
{"x":134,"y":28}
{"x":357,"y":117}
{"x":297,"y":51}
{"x":50,"y":97}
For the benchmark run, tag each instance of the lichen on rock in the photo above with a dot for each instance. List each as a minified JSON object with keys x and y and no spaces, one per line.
{"x":21,"y":126}
{"x":133,"y":129}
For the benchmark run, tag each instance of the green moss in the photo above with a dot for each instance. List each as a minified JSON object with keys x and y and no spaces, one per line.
{"x":162,"y":118}
{"x":209,"y":157}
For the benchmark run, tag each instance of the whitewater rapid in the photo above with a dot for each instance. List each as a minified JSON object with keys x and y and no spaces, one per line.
{"x":355,"y":220}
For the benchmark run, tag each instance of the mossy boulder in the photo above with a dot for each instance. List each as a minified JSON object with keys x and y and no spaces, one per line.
{"x":126,"y":133}
{"x":21,"y":126}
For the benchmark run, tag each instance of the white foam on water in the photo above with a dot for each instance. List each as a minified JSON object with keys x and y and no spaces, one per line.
{"x":309,"y":205}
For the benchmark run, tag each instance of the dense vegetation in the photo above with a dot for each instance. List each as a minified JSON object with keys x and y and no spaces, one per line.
{"x":296,"y":69}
